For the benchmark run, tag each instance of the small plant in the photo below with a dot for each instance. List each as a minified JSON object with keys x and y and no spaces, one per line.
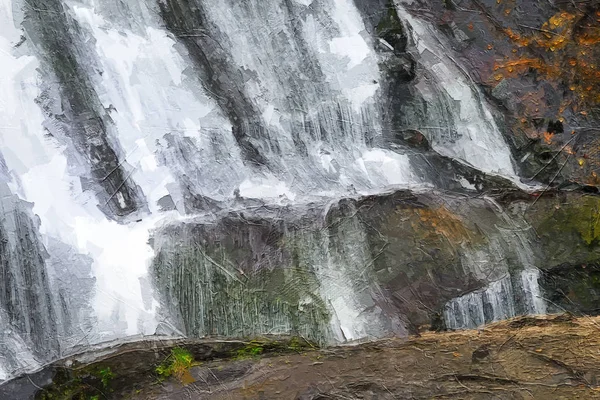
{"x":178,"y":364}
{"x":251,"y":350}
{"x":106,"y":375}
{"x":297,"y":346}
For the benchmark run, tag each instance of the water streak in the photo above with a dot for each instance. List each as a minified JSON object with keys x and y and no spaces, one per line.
{"x":458,"y":120}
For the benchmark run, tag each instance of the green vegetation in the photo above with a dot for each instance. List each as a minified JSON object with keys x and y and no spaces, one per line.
{"x":582,"y":217}
{"x":177,"y":364}
{"x":106,"y":375}
{"x":98,"y":381}
{"x":257,"y":348}
{"x":296,"y":345}
{"x":251,"y":350}
{"x":85,"y":384}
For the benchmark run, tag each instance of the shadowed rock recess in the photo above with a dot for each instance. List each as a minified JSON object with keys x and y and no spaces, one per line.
{"x":187,"y":186}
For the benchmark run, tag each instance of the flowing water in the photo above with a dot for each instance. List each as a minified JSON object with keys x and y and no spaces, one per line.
{"x":457,"y":119}
{"x":516,"y":293}
{"x":117,"y":119}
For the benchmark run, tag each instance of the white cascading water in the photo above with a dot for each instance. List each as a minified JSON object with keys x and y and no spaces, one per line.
{"x":11,"y":341}
{"x":468,"y":311}
{"x":42,"y":176}
{"x":144,"y":80}
{"x":533,"y":295}
{"x":338,"y":158}
{"x":146,"y":84}
{"x":497,"y":301}
{"x":474,"y":138}
{"x":343,"y":276}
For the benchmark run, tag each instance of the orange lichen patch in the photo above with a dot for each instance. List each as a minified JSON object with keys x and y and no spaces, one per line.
{"x":520,"y":65}
{"x":548,"y":137}
{"x":559,"y":20}
{"x":588,"y":32}
{"x":569,"y":58}
{"x":441,"y":222}
{"x":517,"y":38}
{"x":588,"y":40}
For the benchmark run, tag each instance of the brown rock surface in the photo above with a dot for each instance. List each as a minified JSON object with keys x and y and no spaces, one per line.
{"x":539,"y":358}
{"x":547,"y":360}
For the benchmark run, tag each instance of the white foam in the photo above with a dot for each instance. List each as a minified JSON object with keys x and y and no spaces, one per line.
{"x":265,"y":188}
{"x":393,"y":167}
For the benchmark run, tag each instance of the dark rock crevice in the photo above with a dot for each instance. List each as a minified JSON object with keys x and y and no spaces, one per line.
{"x":397,"y":66}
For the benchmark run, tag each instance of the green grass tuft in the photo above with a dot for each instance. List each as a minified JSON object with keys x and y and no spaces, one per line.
{"x":177,"y":364}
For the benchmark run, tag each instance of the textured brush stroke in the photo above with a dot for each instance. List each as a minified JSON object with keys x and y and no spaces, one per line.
{"x":328,"y":168}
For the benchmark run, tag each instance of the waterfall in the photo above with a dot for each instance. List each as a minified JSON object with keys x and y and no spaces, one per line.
{"x":534,"y":301}
{"x":123,"y":122}
{"x":306,"y":103}
{"x":87,"y":252}
{"x":457,"y":120}
{"x":514,"y":294}
{"x":494,"y":303}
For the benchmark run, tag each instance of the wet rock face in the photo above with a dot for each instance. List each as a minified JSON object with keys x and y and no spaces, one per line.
{"x":573,"y":288}
{"x":236,"y":278}
{"x":379,"y":266}
{"x":537,"y":61}
{"x":566,"y":226}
